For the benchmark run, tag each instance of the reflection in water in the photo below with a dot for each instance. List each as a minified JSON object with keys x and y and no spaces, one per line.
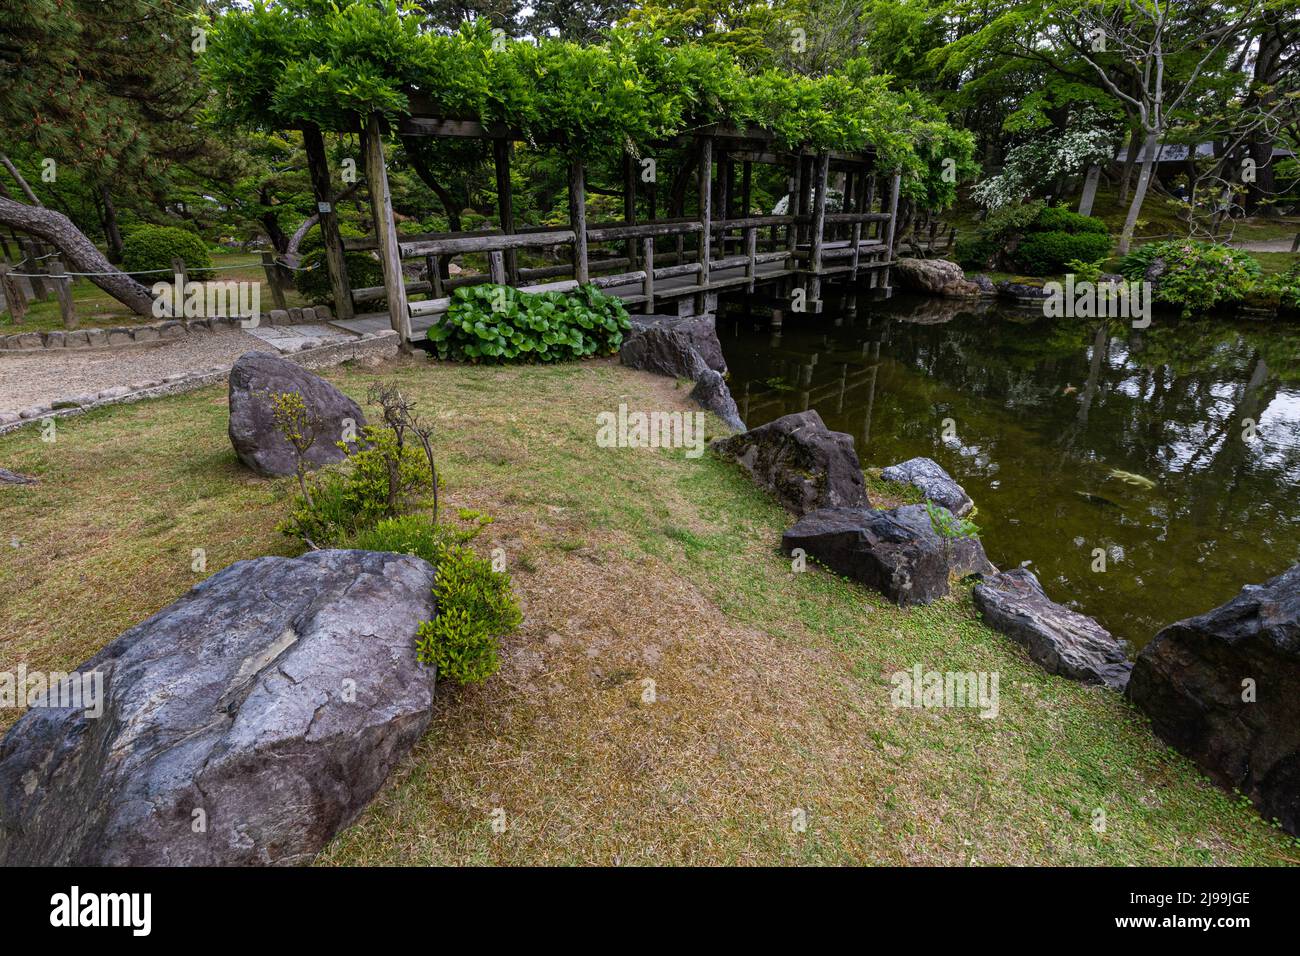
{"x":1174,"y":449}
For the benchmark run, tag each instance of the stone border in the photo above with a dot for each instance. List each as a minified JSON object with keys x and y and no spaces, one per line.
{"x":153,"y":333}
{"x":378,"y":344}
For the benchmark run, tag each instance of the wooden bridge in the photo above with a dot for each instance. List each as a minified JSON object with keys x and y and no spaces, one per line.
{"x":677,"y":264}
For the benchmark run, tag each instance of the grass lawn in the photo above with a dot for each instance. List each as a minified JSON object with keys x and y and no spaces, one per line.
{"x":97,"y":309}
{"x":770,"y":688}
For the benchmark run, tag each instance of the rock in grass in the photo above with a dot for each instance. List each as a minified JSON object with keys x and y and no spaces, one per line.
{"x":1059,"y":640}
{"x":928,"y":477}
{"x":263,"y":709}
{"x":897,"y":552}
{"x":800,"y":461}
{"x":667,"y":351}
{"x":1224,"y":688}
{"x":257,"y":441}
{"x":700,"y":331}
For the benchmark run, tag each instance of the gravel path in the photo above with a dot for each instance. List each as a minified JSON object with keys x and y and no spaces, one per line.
{"x":28,"y":380}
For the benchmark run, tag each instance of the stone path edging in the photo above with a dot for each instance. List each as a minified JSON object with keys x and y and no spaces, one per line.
{"x":381,"y":344}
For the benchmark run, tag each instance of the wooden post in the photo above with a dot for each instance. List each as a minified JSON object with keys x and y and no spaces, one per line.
{"x":14,"y":294}
{"x":501,"y":149}
{"x":792,"y":208}
{"x":746,"y":188}
{"x":32,"y":266}
{"x":180,"y":275}
{"x":63,"y":289}
{"x":893,"y":217}
{"x":629,"y":203}
{"x":751,"y":250}
{"x":318,"y":168}
{"x":273,"y":279}
{"x":578,"y":219}
{"x":381,"y":208}
{"x":818,"y":227}
{"x":706,"y":207}
{"x":648,"y":252}
{"x":497,"y":267}
{"x":869,"y":200}
{"x":433,"y":268}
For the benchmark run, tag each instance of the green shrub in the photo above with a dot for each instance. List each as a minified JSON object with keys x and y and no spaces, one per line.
{"x":1197,"y":275}
{"x":1060,"y":219}
{"x":1047,"y":253}
{"x":497,"y":323}
{"x":313,"y":278}
{"x":475,"y":608}
{"x":1286,"y":287}
{"x":355,"y":496}
{"x":416,"y":534}
{"x":147,"y":248}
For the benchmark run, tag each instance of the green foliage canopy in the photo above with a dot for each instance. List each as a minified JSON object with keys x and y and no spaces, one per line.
{"x":311,"y":61}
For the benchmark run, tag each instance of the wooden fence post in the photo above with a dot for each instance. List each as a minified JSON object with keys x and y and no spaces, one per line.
{"x":63,"y":289}
{"x":501,"y":148}
{"x":381,"y":210}
{"x":497,"y":267}
{"x":578,"y":219}
{"x":15,"y":295}
{"x":648,"y":251}
{"x":751,"y":250}
{"x":818,"y":228}
{"x":32,"y":265}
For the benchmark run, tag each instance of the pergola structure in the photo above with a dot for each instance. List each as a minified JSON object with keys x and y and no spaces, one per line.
{"x":678,"y":263}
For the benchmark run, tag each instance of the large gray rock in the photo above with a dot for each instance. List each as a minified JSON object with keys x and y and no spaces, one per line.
{"x":667,"y":351}
{"x":1224,"y":688}
{"x":931,"y":480}
{"x":701,"y":332}
{"x":897,"y":552}
{"x":1058,"y":639}
{"x":257,"y":441}
{"x":935,"y":276}
{"x":800,"y":461}
{"x":263,"y":709}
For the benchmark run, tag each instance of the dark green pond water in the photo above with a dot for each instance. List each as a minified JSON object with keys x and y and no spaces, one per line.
{"x":1043,"y":413}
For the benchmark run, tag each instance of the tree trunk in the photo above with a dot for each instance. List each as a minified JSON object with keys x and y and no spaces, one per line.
{"x":1151,"y":148}
{"x":1130,"y":160}
{"x":426,"y":176}
{"x":57,"y":229}
{"x":111,"y":231}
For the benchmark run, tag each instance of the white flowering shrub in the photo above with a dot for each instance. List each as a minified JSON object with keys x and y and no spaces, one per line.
{"x":1087,"y":140}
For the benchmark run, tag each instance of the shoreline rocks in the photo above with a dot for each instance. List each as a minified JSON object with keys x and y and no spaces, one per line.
{"x":801,"y":462}
{"x":896,"y":552}
{"x":936,"y":276}
{"x":929,"y":477}
{"x":667,"y":345}
{"x":1059,"y":640}
{"x":255,"y":377}
{"x":246,"y":724}
{"x":1224,"y":688}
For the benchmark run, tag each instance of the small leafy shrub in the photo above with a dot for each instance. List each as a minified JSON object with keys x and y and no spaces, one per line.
{"x":1048,"y":253}
{"x":406,"y":534}
{"x":1285,"y":288}
{"x":1086,"y":271}
{"x":949,"y":527}
{"x":497,"y":323}
{"x":357,"y":494}
{"x":147,"y":248}
{"x":1060,"y":219}
{"x":475,"y":608}
{"x":1197,"y":275}
{"x":313,"y":278}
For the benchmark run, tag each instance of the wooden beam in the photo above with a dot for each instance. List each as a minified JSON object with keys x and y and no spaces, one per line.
{"x":792,"y":207}
{"x":818,"y":226}
{"x":578,"y":219}
{"x":63,"y":290}
{"x":746,"y":188}
{"x":381,"y":207}
{"x":629,"y":199}
{"x":335,"y":262}
{"x":456,"y":245}
{"x":648,"y":288}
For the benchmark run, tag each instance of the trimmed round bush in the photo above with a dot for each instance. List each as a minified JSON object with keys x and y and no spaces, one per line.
{"x":1047,"y":253}
{"x":147,"y":248}
{"x":1060,"y":219}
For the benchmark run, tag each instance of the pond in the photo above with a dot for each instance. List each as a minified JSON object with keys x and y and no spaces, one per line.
{"x":1175,"y":450}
